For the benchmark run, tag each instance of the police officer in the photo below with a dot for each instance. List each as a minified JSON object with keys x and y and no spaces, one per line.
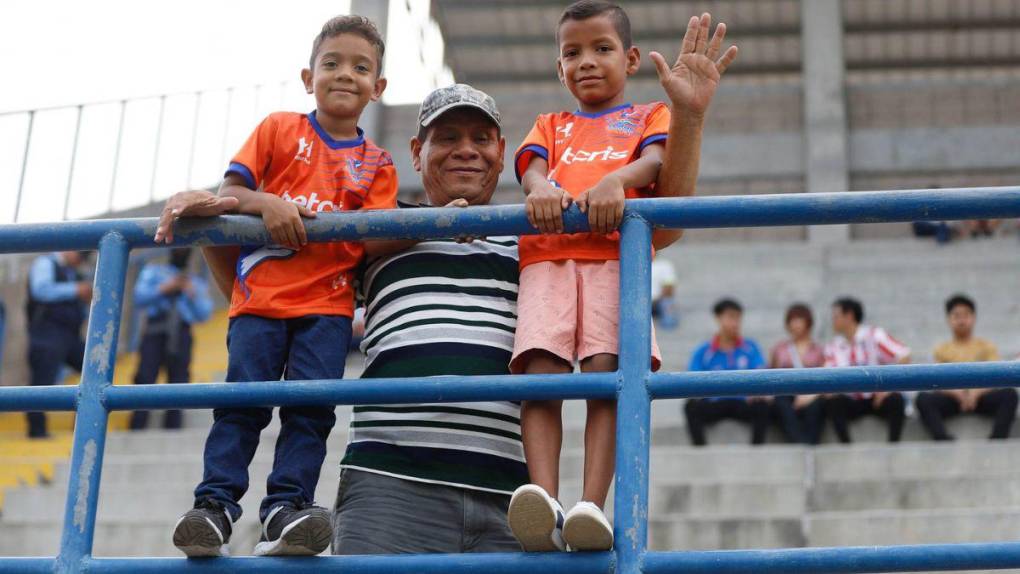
{"x":57,"y":295}
{"x":172,"y":300}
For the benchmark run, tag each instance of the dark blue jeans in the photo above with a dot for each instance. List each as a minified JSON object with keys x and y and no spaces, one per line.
{"x":262,"y":349}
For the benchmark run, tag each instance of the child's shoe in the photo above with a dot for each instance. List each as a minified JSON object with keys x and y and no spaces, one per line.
{"x":204,"y":530}
{"x":536,"y":519}
{"x":586,"y":528}
{"x":295,"y":532}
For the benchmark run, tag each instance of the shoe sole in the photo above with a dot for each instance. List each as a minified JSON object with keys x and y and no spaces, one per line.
{"x":197,"y":538}
{"x":532,"y":522}
{"x":308,"y":536}
{"x":586,"y":534}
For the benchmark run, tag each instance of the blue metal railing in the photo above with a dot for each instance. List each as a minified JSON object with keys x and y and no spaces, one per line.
{"x":633,"y":385}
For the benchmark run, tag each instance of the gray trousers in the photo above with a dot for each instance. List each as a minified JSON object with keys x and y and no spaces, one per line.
{"x":379,"y":514}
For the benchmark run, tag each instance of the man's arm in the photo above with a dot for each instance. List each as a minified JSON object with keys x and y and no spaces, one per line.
{"x":42,"y":280}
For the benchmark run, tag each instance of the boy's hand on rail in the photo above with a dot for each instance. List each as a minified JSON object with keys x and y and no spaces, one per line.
{"x":283,"y":220}
{"x":190,"y":204}
{"x":604,"y":204}
{"x":545,"y":205}
{"x":694,"y":77}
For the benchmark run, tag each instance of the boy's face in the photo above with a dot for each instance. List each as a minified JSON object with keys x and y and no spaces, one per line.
{"x":961,"y":320}
{"x":729,"y":323}
{"x":593,"y":63}
{"x":346,"y":76}
{"x":461,"y":157}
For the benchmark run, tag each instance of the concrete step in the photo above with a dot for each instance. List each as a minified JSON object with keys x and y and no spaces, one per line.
{"x":693,"y":532}
{"x":979,"y":490}
{"x":963,"y":458}
{"x":148,"y":537}
{"x":883,"y":527}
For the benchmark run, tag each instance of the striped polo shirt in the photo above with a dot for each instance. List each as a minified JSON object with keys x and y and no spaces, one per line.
{"x":441,"y":308}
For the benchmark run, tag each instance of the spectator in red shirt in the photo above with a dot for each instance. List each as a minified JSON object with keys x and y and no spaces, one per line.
{"x":800,"y":417}
{"x":859,"y":345}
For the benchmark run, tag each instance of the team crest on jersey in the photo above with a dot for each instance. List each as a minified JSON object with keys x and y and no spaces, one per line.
{"x":355,"y":169}
{"x":626,"y":124}
{"x":304,"y":152}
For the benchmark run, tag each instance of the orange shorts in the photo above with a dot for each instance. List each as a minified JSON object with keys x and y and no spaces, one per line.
{"x":570,"y":309}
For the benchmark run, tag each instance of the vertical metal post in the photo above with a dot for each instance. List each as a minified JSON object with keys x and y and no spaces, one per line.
{"x":226,"y":126}
{"x":90,"y":423}
{"x":116,"y":154}
{"x":24,"y":164}
{"x":194,"y":138}
{"x":155,"y":152}
{"x":633,"y":419}
{"x":70,"y":170}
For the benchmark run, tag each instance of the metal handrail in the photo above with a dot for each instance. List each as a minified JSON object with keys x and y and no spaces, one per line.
{"x":633,"y":385}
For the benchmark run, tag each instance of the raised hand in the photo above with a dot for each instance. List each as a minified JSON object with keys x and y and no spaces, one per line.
{"x":694,"y":77}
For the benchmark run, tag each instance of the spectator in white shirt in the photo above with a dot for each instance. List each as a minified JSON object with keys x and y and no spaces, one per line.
{"x":859,"y":345}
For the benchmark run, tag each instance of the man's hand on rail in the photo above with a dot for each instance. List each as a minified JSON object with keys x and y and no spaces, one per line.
{"x":190,"y":204}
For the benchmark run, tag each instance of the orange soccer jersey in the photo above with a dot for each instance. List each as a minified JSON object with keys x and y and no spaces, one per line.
{"x":581,"y":148}
{"x":291,"y":156}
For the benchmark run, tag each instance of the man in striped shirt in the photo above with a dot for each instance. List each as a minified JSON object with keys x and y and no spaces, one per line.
{"x":438,"y":477}
{"x":859,"y":345}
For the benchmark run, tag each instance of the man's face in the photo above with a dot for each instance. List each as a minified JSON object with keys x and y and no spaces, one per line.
{"x":461,"y":157}
{"x":593,"y":63}
{"x":961,"y":320}
{"x":841,"y":322}
{"x":345,"y":77}
{"x":72,"y":258}
{"x":729,"y":323}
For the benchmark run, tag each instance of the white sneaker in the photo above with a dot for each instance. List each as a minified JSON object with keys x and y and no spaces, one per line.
{"x":586,"y":528}
{"x":536,"y":519}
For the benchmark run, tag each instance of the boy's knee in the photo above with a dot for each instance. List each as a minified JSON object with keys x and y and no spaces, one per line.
{"x":540,"y":361}
{"x":600,"y":363}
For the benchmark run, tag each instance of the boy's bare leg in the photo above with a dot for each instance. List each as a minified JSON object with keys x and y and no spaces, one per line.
{"x":542,"y":426}
{"x":599,"y":436}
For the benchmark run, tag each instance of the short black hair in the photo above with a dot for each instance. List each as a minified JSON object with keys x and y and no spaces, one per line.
{"x":723,"y":305}
{"x":352,"y":24}
{"x":584,"y":9}
{"x":960,"y":299}
{"x":179,"y":257}
{"x":801,"y":311}
{"x":850,"y":305}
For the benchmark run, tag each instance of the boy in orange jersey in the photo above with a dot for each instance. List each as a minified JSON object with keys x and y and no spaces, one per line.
{"x":292,"y":302}
{"x":568,"y":306}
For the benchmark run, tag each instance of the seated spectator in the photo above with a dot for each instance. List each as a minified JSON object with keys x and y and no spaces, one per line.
{"x":934,"y":406}
{"x":982,"y":227}
{"x":663,"y":283}
{"x":858,"y":345}
{"x":727,"y":351}
{"x":801,"y":417}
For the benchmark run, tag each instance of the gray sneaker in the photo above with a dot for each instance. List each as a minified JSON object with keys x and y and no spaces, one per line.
{"x":204,"y":531}
{"x":295,"y":532}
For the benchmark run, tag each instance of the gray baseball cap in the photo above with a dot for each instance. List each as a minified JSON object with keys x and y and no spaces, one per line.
{"x":442,"y":100}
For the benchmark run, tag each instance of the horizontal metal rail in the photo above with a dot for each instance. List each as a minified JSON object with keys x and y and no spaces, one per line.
{"x":632,"y":385}
{"x":681,"y":213}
